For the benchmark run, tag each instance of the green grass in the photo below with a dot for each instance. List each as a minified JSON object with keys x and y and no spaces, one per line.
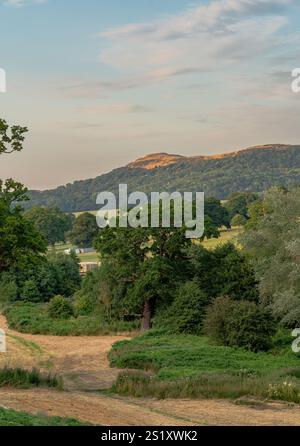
{"x":17,"y":377}
{"x":189,"y":366}
{"x":33,"y":318}
{"x":10,"y":417}
{"x":35,"y":348}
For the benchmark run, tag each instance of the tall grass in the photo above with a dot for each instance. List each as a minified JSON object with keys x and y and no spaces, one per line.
{"x":18,"y":377}
{"x":33,"y":318}
{"x":205,"y":386}
{"x":184,"y":366}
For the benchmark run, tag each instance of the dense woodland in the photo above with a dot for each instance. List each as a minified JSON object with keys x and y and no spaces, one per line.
{"x":254,"y":170}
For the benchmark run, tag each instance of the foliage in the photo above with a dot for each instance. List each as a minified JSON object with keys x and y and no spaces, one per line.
{"x":8,"y":289}
{"x":215,"y":322}
{"x":34,"y":318}
{"x":55,"y":274}
{"x":20,"y":243}
{"x":11,"y":138}
{"x":84,"y":230}
{"x":216,"y":212}
{"x":186,"y":313}
{"x":239,"y":324}
{"x":239,"y":202}
{"x":60,"y":308}
{"x":223,"y":271}
{"x":250,"y":326}
{"x":271,"y":240}
{"x":50,"y":222}
{"x":238,"y":220}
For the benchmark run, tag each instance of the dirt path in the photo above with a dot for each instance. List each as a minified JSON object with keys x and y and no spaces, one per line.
{"x":82,"y":361}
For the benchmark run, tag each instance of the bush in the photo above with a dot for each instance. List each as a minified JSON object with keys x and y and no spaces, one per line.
{"x":35,"y":319}
{"x":60,"y":308}
{"x":83,"y":304}
{"x":8,"y":288}
{"x":240,"y":324}
{"x":238,"y":220}
{"x":187,"y":310}
{"x":249,"y":325}
{"x":30,"y":292}
{"x":214,"y":325}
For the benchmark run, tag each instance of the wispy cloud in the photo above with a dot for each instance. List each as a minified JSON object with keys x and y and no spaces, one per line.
{"x":115,"y":108}
{"x":21,"y":3}
{"x":205,"y":36}
{"x":100,"y":88}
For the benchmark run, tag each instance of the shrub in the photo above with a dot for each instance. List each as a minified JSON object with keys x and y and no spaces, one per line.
{"x":214,"y":325}
{"x":83,"y":304}
{"x":30,"y":292}
{"x":187,"y":310}
{"x":249,"y":325}
{"x":60,"y":308}
{"x":238,"y":220}
{"x":8,"y":288}
{"x":239,"y":324}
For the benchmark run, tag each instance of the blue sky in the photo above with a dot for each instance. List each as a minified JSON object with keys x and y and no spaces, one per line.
{"x":101,"y":83}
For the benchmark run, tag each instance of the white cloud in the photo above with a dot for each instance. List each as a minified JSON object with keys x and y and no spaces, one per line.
{"x":21,"y":3}
{"x":205,"y":36}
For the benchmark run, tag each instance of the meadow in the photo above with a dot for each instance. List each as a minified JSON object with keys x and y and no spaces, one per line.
{"x":182,"y":366}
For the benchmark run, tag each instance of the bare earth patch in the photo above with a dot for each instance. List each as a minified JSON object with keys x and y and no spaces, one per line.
{"x":82,"y":361}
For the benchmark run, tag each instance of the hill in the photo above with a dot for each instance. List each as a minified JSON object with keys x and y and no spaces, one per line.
{"x":254,"y":169}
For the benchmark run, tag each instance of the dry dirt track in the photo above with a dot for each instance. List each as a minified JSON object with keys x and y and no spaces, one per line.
{"x":83,"y":363}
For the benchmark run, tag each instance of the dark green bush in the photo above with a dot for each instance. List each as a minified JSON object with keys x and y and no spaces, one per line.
{"x":251,"y":326}
{"x":187,"y":310}
{"x":214,"y":325}
{"x":60,"y":308}
{"x":240,"y":324}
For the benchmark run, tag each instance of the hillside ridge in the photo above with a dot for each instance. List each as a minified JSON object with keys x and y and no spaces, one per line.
{"x":162,"y":159}
{"x":255,"y":169}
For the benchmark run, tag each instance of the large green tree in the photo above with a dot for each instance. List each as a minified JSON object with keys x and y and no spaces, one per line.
{"x":50,"y":222}
{"x":20,"y":243}
{"x":84,"y":230}
{"x":272,"y":241}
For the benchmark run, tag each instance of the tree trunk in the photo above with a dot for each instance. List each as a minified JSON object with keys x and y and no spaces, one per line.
{"x":147,"y":314}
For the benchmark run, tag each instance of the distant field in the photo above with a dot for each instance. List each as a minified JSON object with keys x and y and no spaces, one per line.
{"x":89,"y":257}
{"x":227,"y":235}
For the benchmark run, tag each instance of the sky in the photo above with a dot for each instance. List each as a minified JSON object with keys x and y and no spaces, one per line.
{"x":101,"y":83}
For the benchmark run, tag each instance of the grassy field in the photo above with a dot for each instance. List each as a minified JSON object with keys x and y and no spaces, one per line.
{"x":33,"y":318}
{"x":89,"y":257}
{"x":187,"y":366}
{"x":12,"y":418}
{"x":226,"y":235}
